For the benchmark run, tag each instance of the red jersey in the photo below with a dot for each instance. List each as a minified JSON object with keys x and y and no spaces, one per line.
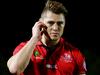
{"x":64,"y":60}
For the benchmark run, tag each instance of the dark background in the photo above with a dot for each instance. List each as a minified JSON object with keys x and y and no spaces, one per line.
{"x":18,"y":16}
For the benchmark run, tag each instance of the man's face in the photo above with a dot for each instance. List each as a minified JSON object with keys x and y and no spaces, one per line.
{"x":55,"y":24}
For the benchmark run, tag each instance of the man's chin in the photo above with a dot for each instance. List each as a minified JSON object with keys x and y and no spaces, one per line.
{"x":54,"y":38}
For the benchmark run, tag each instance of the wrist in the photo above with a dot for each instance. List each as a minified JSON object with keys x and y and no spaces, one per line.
{"x":34,"y":39}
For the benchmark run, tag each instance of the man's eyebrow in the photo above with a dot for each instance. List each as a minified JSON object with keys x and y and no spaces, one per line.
{"x":55,"y":22}
{"x":59,"y":21}
{"x":51,"y":22}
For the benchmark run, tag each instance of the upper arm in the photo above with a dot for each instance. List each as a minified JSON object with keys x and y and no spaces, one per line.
{"x":18,"y":47}
{"x":80,"y":61}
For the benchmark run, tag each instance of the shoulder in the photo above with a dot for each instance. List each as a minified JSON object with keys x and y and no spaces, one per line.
{"x":68,"y":45}
{"x":74,"y":50}
{"x":18,"y":47}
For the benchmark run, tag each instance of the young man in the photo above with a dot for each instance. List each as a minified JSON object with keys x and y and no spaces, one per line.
{"x":46,"y":53}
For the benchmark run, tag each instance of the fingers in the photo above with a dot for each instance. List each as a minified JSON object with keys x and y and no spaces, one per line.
{"x":40,"y":25}
{"x":38,"y":29}
{"x":44,"y":31}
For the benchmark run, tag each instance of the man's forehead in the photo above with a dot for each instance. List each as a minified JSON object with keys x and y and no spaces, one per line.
{"x":50,"y":14}
{"x":54,"y":20}
{"x":54,"y":17}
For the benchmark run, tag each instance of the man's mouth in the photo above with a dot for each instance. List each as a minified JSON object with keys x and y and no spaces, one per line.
{"x":54,"y":33}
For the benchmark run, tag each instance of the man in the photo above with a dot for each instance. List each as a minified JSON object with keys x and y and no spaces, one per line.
{"x":46,"y":53}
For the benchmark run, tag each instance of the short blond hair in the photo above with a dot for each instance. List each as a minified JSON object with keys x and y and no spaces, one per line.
{"x":55,"y":7}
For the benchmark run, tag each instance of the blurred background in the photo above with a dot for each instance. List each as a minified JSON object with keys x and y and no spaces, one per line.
{"x":17,"y":18}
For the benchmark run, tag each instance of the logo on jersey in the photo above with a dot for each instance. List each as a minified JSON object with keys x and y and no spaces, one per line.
{"x":51,"y":66}
{"x":38,"y":55}
{"x":66,"y":57}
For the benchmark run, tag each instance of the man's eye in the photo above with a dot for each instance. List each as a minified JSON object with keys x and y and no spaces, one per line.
{"x":59,"y":23}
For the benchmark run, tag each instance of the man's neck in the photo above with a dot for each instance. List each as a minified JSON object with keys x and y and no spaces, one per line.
{"x":49,"y":42}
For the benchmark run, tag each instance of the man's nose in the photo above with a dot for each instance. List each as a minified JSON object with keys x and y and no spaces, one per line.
{"x":55,"y":26}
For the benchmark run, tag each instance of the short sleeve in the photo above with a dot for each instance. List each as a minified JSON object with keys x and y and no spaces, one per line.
{"x":80,"y":61}
{"x":18,"y":47}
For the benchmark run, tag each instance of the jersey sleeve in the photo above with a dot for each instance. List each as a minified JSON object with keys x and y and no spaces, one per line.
{"x":80,"y":61}
{"x":18,"y":47}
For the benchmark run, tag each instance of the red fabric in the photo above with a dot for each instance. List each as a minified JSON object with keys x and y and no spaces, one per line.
{"x":64,"y":60}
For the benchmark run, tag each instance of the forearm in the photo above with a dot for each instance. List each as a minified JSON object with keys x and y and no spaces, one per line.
{"x":19,"y":61}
